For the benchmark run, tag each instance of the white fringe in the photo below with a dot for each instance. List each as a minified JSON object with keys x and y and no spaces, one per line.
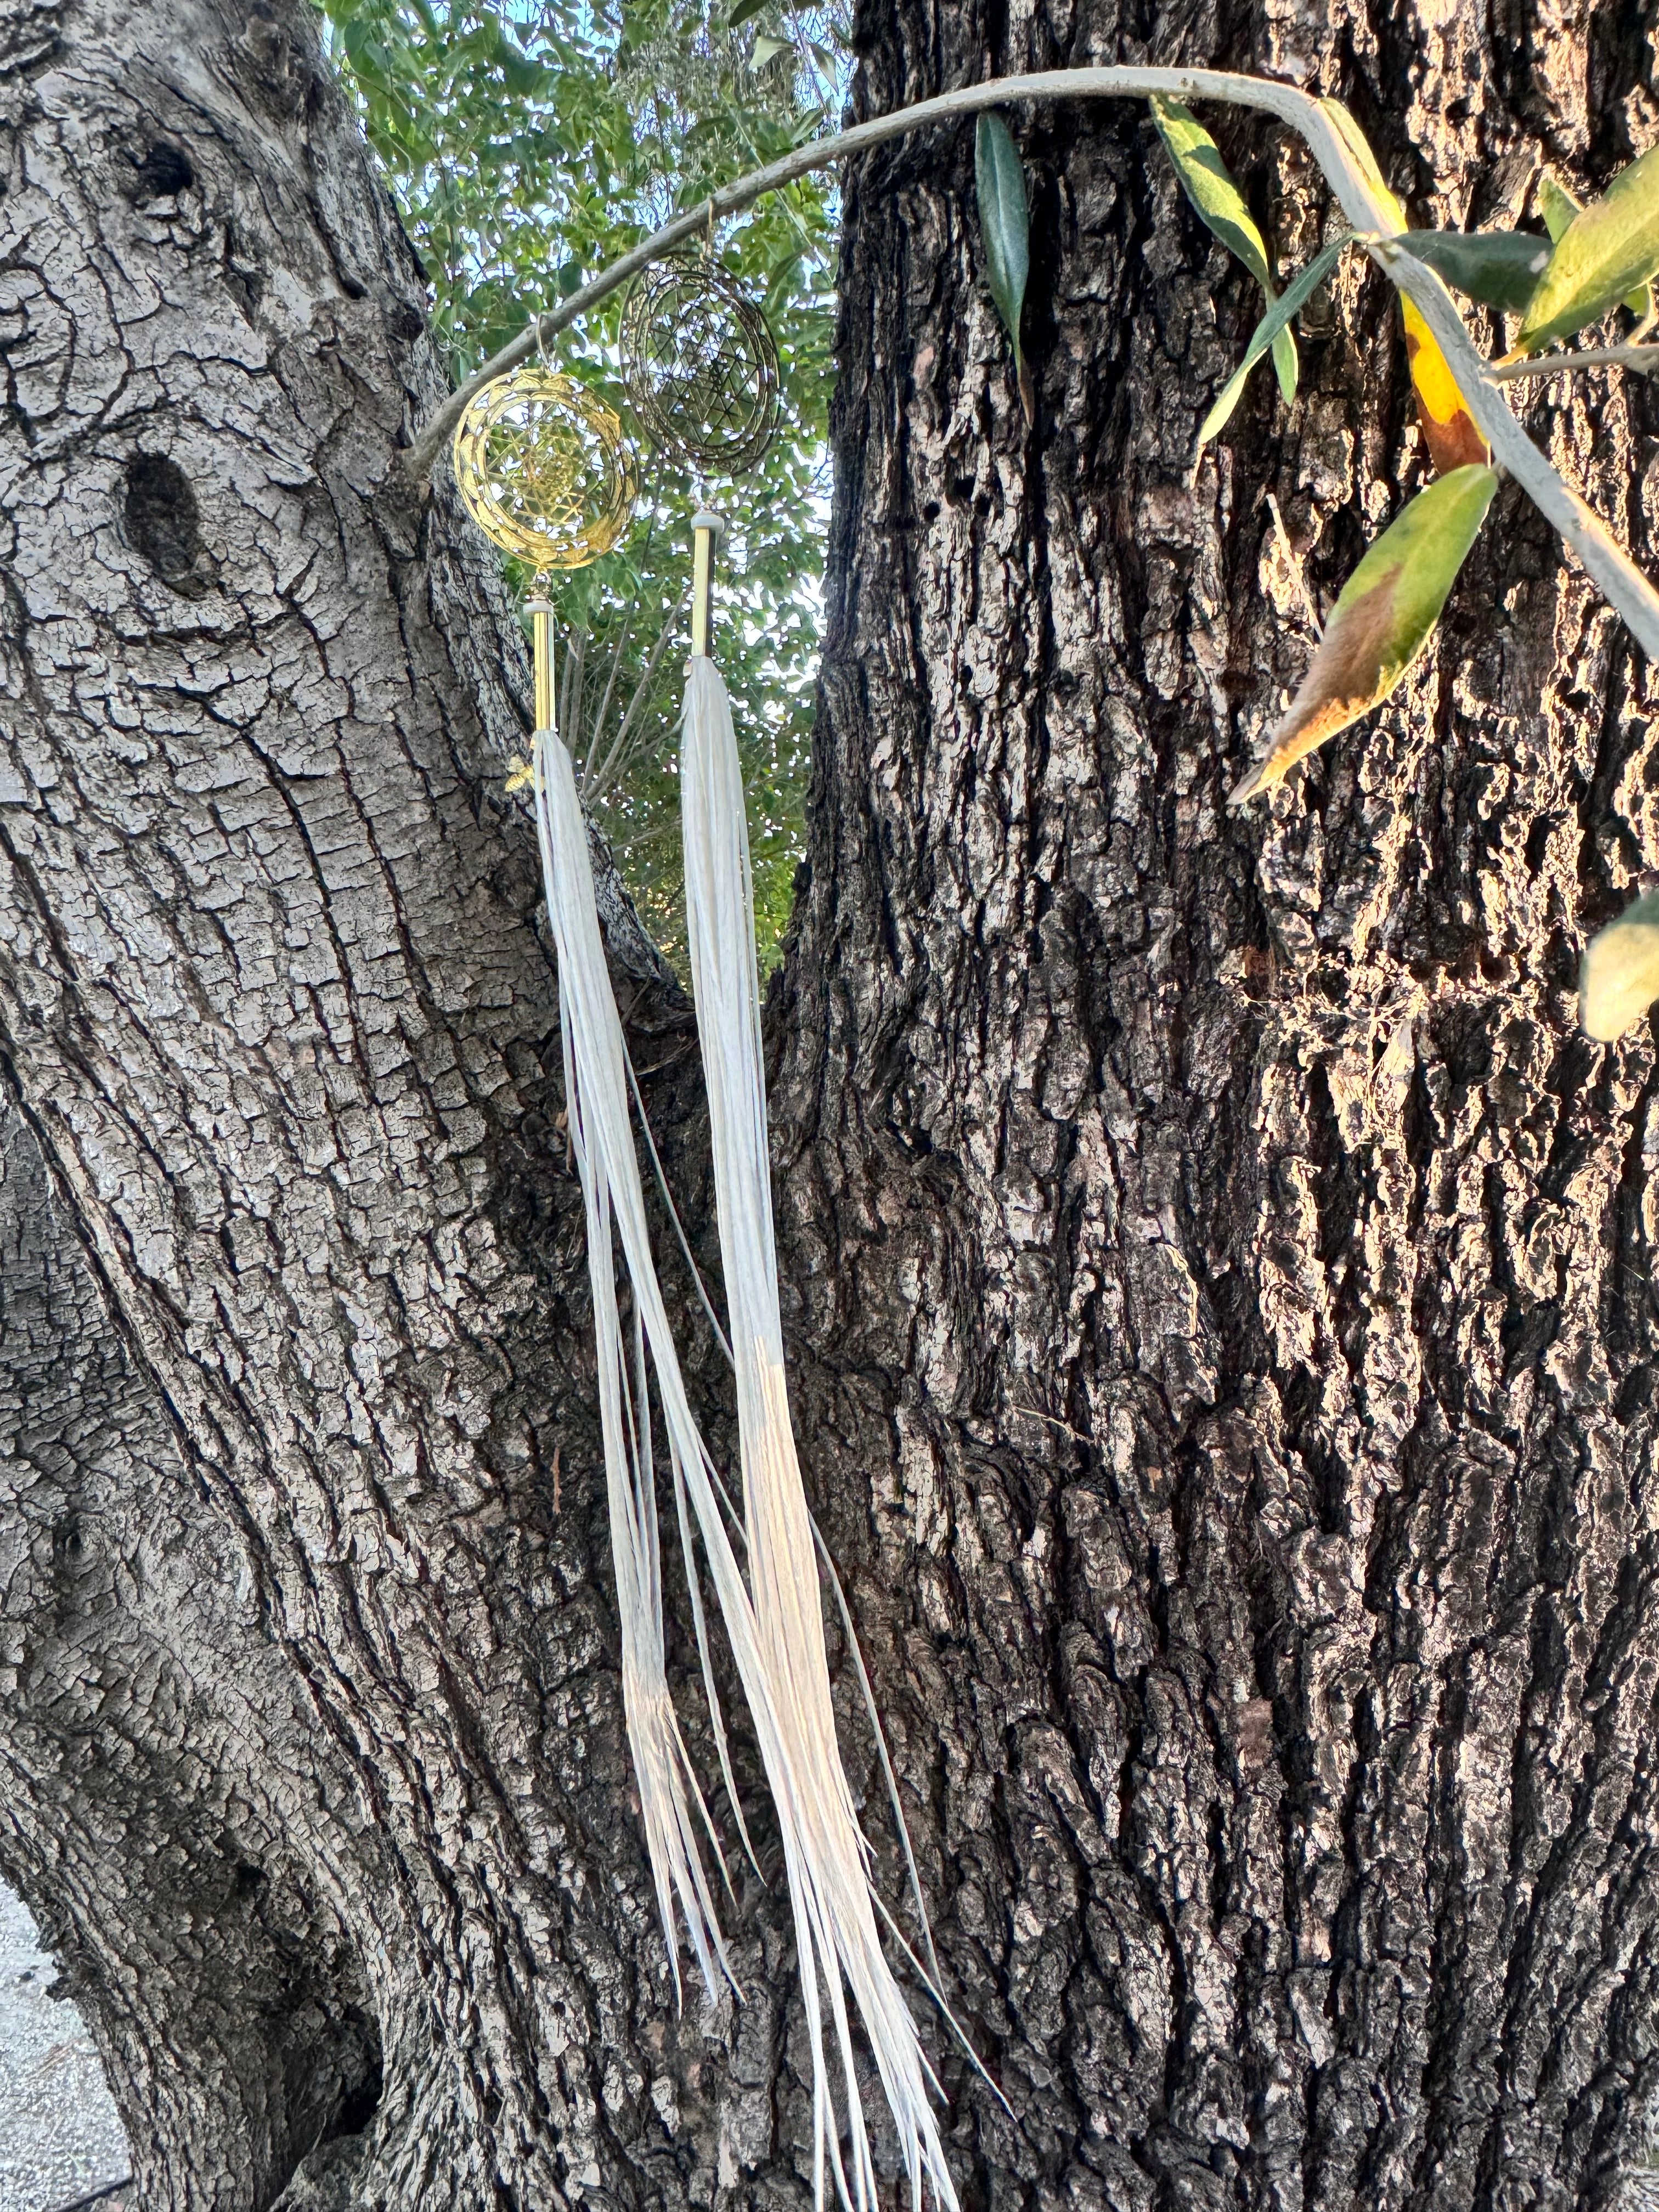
{"x":826,"y":1857}
{"x":596,"y":1101}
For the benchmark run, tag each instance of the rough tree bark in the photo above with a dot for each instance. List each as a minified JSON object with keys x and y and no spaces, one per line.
{"x":1218,"y":1272}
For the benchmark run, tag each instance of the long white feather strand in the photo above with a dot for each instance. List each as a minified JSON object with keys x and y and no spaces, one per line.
{"x":596,"y":1087}
{"x":596,"y":1102}
{"x":826,"y":1857}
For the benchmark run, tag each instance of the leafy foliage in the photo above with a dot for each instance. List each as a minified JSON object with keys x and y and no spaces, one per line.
{"x":1208,"y":183}
{"x":529,"y":142}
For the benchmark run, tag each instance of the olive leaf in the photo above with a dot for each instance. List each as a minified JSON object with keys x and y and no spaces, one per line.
{"x":1209,"y":185}
{"x":1005,"y":222}
{"x":1558,"y":206}
{"x":1619,"y":975}
{"x":1449,"y":429}
{"x":1498,"y":268}
{"x":1289,"y":302}
{"x":1360,"y":146}
{"x":1606,"y":250}
{"x":1384,"y":617}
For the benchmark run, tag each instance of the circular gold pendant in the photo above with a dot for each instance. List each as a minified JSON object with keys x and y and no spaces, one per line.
{"x":543,"y":470}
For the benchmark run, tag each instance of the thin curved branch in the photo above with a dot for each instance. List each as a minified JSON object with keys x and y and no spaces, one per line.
{"x":1578,"y":525}
{"x":1644,"y":358}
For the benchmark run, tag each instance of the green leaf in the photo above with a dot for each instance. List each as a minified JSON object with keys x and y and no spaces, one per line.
{"x":1384,"y":617}
{"x":743,"y":11}
{"x":1619,"y":975}
{"x":767,"y":50}
{"x":1557,"y":207}
{"x":1278,"y":317}
{"x":1209,"y":185}
{"x":1005,"y":222}
{"x":1499,"y":268}
{"x":1556,"y":204}
{"x":521,"y":77}
{"x":1603,"y":254}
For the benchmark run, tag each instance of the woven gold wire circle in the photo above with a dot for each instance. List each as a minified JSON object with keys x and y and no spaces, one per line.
{"x":543,"y":469}
{"x":699,"y":366}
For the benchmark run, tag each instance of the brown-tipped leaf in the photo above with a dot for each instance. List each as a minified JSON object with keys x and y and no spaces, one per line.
{"x":1384,"y":617}
{"x":1619,"y":975}
{"x":1449,"y":429}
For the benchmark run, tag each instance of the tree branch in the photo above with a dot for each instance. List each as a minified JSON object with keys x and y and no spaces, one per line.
{"x":1645,"y":359}
{"x":1578,"y":525}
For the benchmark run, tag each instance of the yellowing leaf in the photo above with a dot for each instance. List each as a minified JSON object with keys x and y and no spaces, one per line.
{"x":1208,"y":183}
{"x":1557,"y":207}
{"x":1360,"y":147}
{"x":1603,"y":254}
{"x":1382,"y":621}
{"x":1449,"y":429}
{"x":1619,"y":975}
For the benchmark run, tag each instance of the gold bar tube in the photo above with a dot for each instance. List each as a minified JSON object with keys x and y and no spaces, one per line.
{"x":541,"y":619}
{"x":703,"y":527}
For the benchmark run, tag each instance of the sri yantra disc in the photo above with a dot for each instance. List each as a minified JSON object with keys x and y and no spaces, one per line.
{"x":543,"y":469}
{"x":699,"y":365}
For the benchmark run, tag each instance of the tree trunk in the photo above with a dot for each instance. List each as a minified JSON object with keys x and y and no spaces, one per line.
{"x":1217,"y":1269}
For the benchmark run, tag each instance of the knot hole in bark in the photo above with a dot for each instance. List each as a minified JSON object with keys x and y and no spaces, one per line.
{"x":164,"y":524}
{"x":163,"y":172}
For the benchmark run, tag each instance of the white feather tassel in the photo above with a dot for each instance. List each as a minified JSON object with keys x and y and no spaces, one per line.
{"x":827,"y":1857}
{"x":596,"y":1102}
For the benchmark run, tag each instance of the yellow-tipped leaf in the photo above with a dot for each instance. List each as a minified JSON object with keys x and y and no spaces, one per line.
{"x":1382,"y":621}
